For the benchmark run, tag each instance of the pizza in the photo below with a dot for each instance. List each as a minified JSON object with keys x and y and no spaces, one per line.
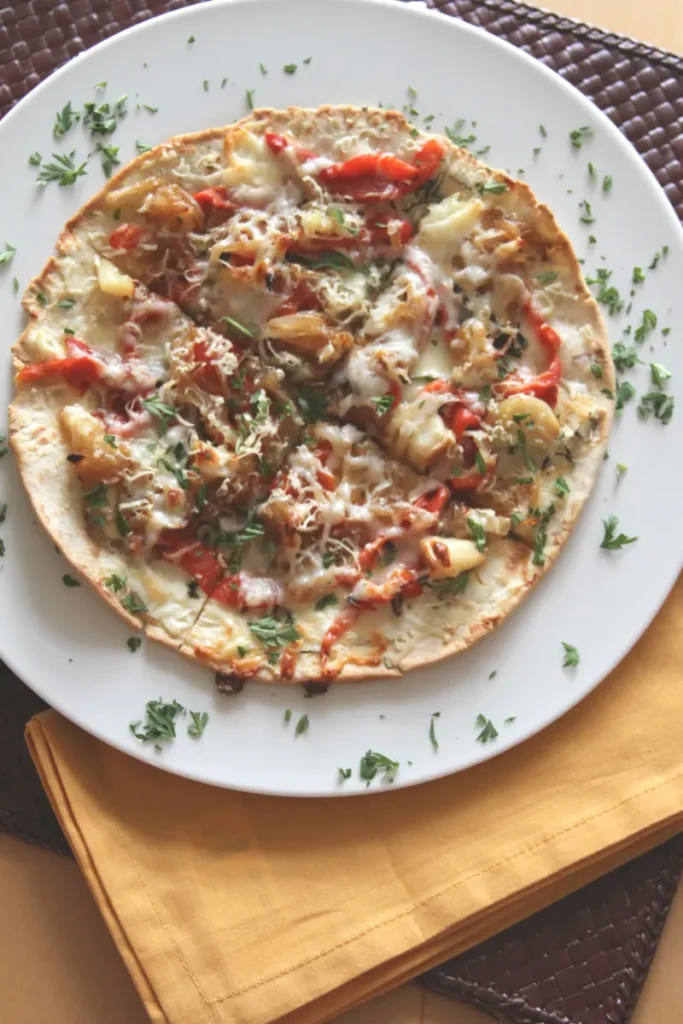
{"x":312,"y":397}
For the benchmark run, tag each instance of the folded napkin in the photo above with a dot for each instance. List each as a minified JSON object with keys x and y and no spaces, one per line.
{"x":230,"y":907}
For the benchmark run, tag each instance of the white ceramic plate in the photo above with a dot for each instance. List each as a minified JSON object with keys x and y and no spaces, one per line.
{"x":72,"y":650}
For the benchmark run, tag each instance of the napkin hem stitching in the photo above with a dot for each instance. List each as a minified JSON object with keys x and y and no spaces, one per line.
{"x":381,"y":924}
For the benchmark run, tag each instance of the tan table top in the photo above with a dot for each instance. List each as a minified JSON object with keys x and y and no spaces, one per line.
{"x":57,"y":961}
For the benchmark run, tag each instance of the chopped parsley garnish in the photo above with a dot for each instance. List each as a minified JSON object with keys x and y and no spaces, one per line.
{"x":301,"y":725}
{"x":383,"y":404}
{"x":373,"y":762}
{"x":289,"y":69}
{"x":134,"y":643}
{"x":621,"y":469}
{"x":274,"y":633}
{"x":64,"y":171}
{"x":288,"y":712}
{"x":312,"y":403}
{"x":249,"y":95}
{"x":160,"y":410}
{"x":479,"y":462}
{"x":115,"y":583}
{"x":612,"y":541}
{"x":561,"y":487}
{"x":510,"y":720}
{"x":41,"y":299}
{"x":571,"y":656}
{"x":541,"y":533}
{"x":205,"y":84}
{"x":478,"y":533}
{"x":638,"y":276}
{"x":548,"y":277}
{"x":150,"y":110}
{"x":592,"y":240}
{"x":344,"y":774}
{"x":103,"y":119}
{"x":624,"y":358}
{"x":607,"y":183}
{"x":659,"y":374}
{"x":122,"y":524}
{"x":132,"y":603}
{"x":432,"y":734}
{"x":592,"y":170}
{"x":70,"y":581}
{"x":586,"y":212}
{"x":34,"y":159}
{"x":263,"y":69}
{"x":142,"y":148}
{"x":15,"y":287}
{"x":658,"y":256}
{"x":326,"y":602}
{"x":328,"y":559}
{"x":492,"y":187}
{"x":7,"y":254}
{"x":625,"y":392}
{"x":488,"y":729}
{"x":159,"y":721}
{"x":542,"y":130}
{"x":236,"y":325}
{"x":578,"y":136}
{"x":65,"y":304}
{"x":647,"y":325}
{"x":191,"y":40}
{"x":658,"y":404}
{"x":66,"y":118}
{"x":3,"y":511}
{"x":596,"y":370}
{"x":198,"y":723}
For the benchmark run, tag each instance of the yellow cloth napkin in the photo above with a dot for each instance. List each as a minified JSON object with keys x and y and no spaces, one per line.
{"x":229,"y":907}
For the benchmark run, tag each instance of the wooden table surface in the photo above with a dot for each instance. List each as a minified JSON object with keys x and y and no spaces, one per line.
{"x":58,"y":964}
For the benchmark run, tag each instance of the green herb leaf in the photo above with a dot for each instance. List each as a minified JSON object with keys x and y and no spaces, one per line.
{"x":3,"y":511}
{"x":624,"y":358}
{"x":432,"y":734}
{"x":289,"y":69}
{"x":134,"y":643}
{"x":64,"y":171}
{"x":325,"y":602}
{"x":66,"y":118}
{"x":70,"y":581}
{"x":659,"y":374}
{"x":273,"y":633}
{"x":578,"y":136}
{"x":250,"y":98}
{"x":586,"y":212}
{"x":384,"y":404}
{"x":658,"y":404}
{"x":548,"y":277}
{"x":607,"y":183}
{"x":326,"y":258}
{"x":115,"y":583}
{"x":596,"y":370}
{"x":638,"y":276}
{"x":237,"y":326}
{"x":344,"y":774}
{"x":159,"y":721}
{"x":612,"y":541}
{"x":312,"y":403}
{"x":110,"y":158}
{"x":198,"y":723}
{"x":451,"y":587}
{"x":541,"y":533}
{"x":478,"y":533}
{"x":621,"y":469}
{"x":65,"y":304}
{"x":34,"y":159}
{"x":97,"y":497}
{"x":625,"y":392}
{"x":191,"y":40}
{"x":571,"y":656}
{"x":7,"y":254}
{"x":492,"y":187}
{"x":132,"y":603}
{"x":122,"y":524}
{"x":561,"y":487}
{"x":488,"y":729}
{"x":509,"y":721}
{"x":163,"y":412}
{"x":142,"y":148}
{"x":301,"y":725}
{"x":288,"y":714}
{"x":648,"y":324}
{"x":372,"y":762}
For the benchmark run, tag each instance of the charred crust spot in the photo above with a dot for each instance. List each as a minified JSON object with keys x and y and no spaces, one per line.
{"x":315,"y":688}
{"x":230,"y":682}
{"x":75,"y":457}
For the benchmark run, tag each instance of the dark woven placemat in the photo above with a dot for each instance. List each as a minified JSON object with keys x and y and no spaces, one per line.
{"x":583,"y":960}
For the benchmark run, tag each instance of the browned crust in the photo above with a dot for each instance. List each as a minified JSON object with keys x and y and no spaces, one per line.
{"x":306,"y":122}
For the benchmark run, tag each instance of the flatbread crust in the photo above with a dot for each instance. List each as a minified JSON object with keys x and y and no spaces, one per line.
{"x":380,"y":644}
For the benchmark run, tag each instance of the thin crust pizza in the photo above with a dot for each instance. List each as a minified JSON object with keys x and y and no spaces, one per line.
{"x":315,"y":396}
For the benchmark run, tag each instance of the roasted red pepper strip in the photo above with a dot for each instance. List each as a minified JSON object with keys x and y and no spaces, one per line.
{"x":194,"y":557}
{"x":545,"y":385}
{"x":78,"y":371}
{"x":379,"y":232}
{"x":275,"y":142}
{"x":400,"y":581}
{"x":433,"y":501}
{"x":371,"y":176}
{"x":466,"y":482}
{"x":228,"y":591}
{"x":463,"y":419}
{"x":125,"y":236}
{"x":340,"y":625}
{"x":214,"y":198}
